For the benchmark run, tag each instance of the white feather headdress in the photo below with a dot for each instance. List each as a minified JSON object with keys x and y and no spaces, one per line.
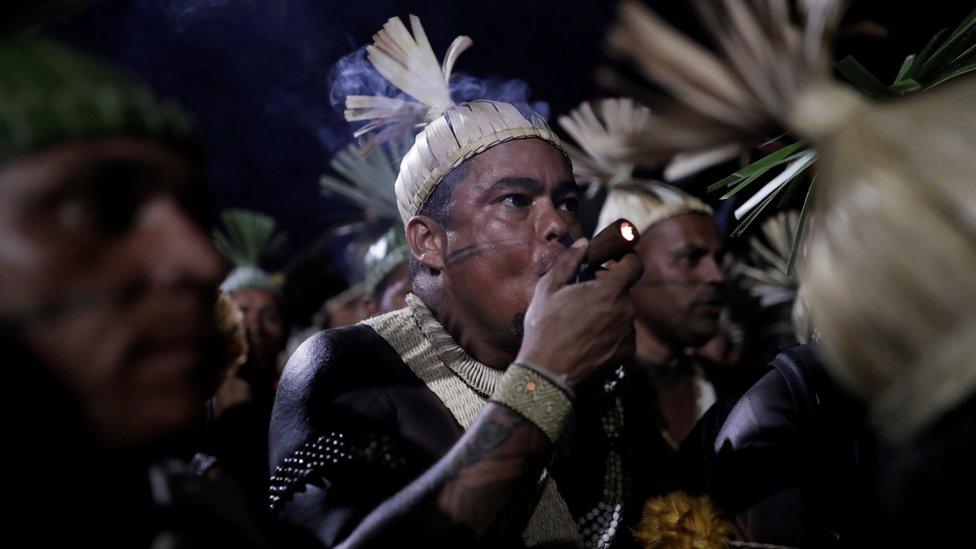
{"x":645,"y":202}
{"x":769,"y":73}
{"x":367,"y":180}
{"x":453,"y":133}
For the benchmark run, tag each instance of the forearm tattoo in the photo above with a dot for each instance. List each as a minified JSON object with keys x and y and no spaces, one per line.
{"x":477,"y":489}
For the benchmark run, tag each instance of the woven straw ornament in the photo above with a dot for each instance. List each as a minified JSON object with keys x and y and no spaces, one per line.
{"x":451,"y":132}
{"x":642,"y":201}
{"x":888,"y":271}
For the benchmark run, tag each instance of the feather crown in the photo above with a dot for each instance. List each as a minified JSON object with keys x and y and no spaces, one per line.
{"x":645,"y":202}
{"x":451,"y":133}
{"x":249,"y":238}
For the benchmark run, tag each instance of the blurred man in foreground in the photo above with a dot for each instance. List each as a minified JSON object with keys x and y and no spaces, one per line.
{"x":107,"y":288}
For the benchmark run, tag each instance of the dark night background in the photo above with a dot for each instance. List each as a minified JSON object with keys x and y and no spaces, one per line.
{"x":255,"y":73}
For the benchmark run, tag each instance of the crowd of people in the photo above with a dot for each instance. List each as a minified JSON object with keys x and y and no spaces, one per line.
{"x":473,"y":389}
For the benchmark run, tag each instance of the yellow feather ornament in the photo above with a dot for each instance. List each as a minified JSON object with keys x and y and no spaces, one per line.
{"x":680,"y":521}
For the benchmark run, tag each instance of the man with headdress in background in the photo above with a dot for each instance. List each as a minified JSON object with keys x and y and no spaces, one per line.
{"x":235,"y":441}
{"x":680,"y":297}
{"x":368,"y":182}
{"x":387,"y":273}
{"x":342,"y":309}
{"x":886,"y":273}
{"x":249,"y":238}
{"x":376,"y":266}
{"x":449,"y":421}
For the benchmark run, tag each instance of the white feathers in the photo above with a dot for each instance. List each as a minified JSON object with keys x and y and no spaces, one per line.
{"x":765,"y":63}
{"x":408,"y":62}
{"x":595,"y":128}
{"x":369,"y":180}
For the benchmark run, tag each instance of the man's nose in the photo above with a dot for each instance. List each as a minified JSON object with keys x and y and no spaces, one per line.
{"x":552,"y":226}
{"x":252,"y":323}
{"x":178,"y":250}
{"x":712,"y":271}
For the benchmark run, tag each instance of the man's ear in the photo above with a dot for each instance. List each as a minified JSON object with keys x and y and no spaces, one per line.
{"x":427,"y":241}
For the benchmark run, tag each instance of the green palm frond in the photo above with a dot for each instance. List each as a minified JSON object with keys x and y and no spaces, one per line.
{"x":368,"y":180}
{"x":947,"y":56}
{"x":249,"y":237}
{"x":765,"y":270}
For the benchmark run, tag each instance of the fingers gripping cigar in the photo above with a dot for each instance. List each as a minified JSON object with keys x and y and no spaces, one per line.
{"x":610,"y":244}
{"x":573,"y":331}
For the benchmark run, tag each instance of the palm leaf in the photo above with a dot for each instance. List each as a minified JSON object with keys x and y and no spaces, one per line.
{"x":367,"y":180}
{"x":757,"y":168}
{"x":764,"y":270}
{"x":801,"y":225}
{"x":947,"y":56}
{"x":248,"y":237}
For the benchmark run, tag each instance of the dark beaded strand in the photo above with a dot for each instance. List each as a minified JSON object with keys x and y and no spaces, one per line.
{"x":317,"y":457}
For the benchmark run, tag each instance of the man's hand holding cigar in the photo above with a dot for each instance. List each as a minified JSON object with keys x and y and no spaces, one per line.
{"x":575,"y":330}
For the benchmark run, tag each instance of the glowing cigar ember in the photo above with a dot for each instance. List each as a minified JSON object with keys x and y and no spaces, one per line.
{"x":628,"y":231}
{"x":610,"y":244}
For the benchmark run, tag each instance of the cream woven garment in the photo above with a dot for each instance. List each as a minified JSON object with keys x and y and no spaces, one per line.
{"x":464,"y":386}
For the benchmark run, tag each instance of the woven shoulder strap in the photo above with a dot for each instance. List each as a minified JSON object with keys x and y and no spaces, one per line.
{"x":551,"y":522}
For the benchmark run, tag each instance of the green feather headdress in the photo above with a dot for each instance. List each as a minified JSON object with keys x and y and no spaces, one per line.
{"x":369,"y":184}
{"x":368,"y":180}
{"x":250,"y":237}
{"x":50,"y":93}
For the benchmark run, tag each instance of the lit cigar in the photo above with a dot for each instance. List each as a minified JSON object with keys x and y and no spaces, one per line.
{"x":610,"y":244}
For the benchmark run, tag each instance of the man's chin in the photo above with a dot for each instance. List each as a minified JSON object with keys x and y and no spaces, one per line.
{"x":152,"y":421}
{"x":701,"y":335}
{"x":518,"y":326}
{"x":166,"y":399}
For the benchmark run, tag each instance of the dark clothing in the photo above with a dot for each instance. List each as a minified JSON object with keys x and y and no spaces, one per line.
{"x":792,"y":453}
{"x":237,"y":443}
{"x":68,"y":491}
{"x":925,"y":484}
{"x":349,"y":403}
{"x":365,"y":421}
{"x":643,"y":404}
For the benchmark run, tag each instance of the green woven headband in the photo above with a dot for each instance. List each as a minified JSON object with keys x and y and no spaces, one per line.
{"x":50,"y":94}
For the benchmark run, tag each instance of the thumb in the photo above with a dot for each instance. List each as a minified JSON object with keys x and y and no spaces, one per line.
{"x":625,"y":272}
{"x":565,"y":265}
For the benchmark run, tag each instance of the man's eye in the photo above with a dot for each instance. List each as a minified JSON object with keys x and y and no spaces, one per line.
{"x":109,"y":214}
{"x":516,"y":200}
{"x":115,"y":213}
{"x":74,"y":215}
{"x":107,"y":200}
{"x":570,"y":205}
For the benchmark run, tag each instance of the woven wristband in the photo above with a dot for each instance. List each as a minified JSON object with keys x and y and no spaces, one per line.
{"x":535,"y":397}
